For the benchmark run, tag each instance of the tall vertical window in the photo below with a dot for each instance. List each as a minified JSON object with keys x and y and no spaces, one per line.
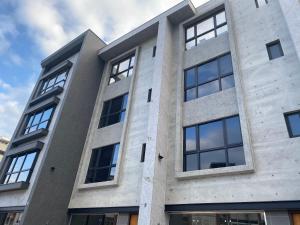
{"x":293,"y":124}
{"x":274,"y":50}
{"x":214,"y":144}
{"x":39,"y":120}
{"x":206,"y":29}
{"x":103,"y":164}
{"x":122,"y":69}
{"x":58,"y":80}
{"x":208,"y":78}
{"x":260,"y":3}
{"x":20,"y":168}
{"x":113,"y":111}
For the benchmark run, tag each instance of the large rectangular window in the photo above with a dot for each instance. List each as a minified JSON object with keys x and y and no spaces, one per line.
{"x":113,"y":111}
{"x":205,"y":29}
{"x":122,"y":69}
{"x":208,"y":78}
{"x":20,"y":168}
{"x":103,"y":164}
{"x":213,"y":145}
{"x":293,"y":124}
{"x":58,"y":80}
{"x":39,"y":120}
{"x":94,"y":220}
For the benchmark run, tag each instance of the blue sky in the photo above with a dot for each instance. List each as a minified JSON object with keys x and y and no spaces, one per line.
{"x":32,"y":29}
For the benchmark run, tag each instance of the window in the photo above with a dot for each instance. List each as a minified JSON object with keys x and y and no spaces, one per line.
{"x":149,"y":95}
{"x":122,"y":69}
{"x":39,"y":120}
{"x":103,"y":164}
{"x":143,"y":152}
{"x":113,"y":111}
{"x":214,"y":144}
{"x":260,"y":3}
{"x":205,"y":29}
{"x":208,"y":78}
{"x":154,"y":51}
{"x":20,"y":168}
{"x":94,"y":220}
{"x":10,"y":218}
{"x":57,"y":81}
{"x":274,"y":50}
{"x":293,"y":124}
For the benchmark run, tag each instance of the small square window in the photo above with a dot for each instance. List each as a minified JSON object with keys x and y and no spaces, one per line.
{"x":293,"y":124}
{"x":274,"y":50}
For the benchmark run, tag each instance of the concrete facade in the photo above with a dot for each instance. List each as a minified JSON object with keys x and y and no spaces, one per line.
{"x":268,"y":184}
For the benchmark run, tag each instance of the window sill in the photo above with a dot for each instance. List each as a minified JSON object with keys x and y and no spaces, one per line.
{"x":214,"y":172}
{"x":103,"y":184}
{"x":14,"y":186}
{"x":30,"y":137}
{"x":55,"y":91}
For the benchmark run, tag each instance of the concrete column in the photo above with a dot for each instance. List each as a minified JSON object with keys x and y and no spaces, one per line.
{"x":278,"y":218}
{"x":154,"y":173}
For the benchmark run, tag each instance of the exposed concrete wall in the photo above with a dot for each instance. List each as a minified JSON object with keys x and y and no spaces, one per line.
{"x":53,"y":188}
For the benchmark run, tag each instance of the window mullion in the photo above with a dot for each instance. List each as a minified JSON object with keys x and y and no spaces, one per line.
{"x":198,"y":145}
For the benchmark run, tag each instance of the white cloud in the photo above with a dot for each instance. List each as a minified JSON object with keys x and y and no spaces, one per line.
{"x":13,"y":101}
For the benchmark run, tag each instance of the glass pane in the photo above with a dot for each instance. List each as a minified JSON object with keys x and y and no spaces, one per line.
{"x":221,"y":18}
{"x":122,"y":116}
{"x":208,"y":72}
{"x":51,"y":82}
{"x":190,"y":32}
{"x":191,"y":162}
{"x":275,"y":51}
{"x":116,"y":104}
{"x":19,"y":163}
{"x":227,"y":82}
{"x":34,"y":128}
{"x":205,"y":37}
{"x":95,"y":220}
{"x":6,"y":179}
{"x":213,"y":159}
{"x":236,"y":156}
{"x":190,"y":94}
{"x":116,"y":153}
{"x":208,"y":88}
{"x":125,"y":99}
{"x":112,"y":80}
{"x":225,"y":64}
{"x":44,"y":85}
{"x":211,"y":135}
{"x":102,"y":175}
{"x":106,"y":156}
{"x":112,"y":119}
{"x":37,"y":118}
{"x":204,"y":26}
{"x":294,"y":122}
{"x":261,"y":2}
{"x":190,"y":138}
{"x":130,"y":72}
{"x":132,"y":61}
{"x":47,"y":114}
{"x":28,"y":161}
{"x":114,"y":69}
{"x":121,"y":76}
{"x":190,"y":78}
{"x":90,"y":176}
{"x":190,"y":44}
{"x":29,"y":121}
{"x":222,"y":29}
{"x":23,"y":176}
{"x":43,"y":125}
{"x":94,"y":158}
{"x":105,"y":108}
{"x":78,"y":220}
{"x":233,"y":129}
{"x":61,"y":77}
{"x":12,"y":165}
{"x":13,"y":178}
{"x":124,"y":65}
{"x":112,"y":173}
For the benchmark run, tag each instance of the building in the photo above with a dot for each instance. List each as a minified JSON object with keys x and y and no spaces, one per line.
{"x":192,"y":118}
{"x":3,"y":144}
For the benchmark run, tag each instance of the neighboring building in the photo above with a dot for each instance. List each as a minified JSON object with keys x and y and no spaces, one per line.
{"x":3,"y":145}
{"x":196,"y":121}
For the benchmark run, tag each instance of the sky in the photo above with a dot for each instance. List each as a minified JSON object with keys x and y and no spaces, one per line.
{"x":30,"y":30}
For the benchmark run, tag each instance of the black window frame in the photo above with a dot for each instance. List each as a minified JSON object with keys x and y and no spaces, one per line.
{"x":198,"y":151}
{"x":213,"y":15}
{"x":257,"y":5}
{"x":130,"y":67}
{"x":27,"y":120}
{"x":43,"y":91}
{"x":109,"y":114}
{"x":219,"y":78}
{"x":110,"y":166}
{"x":288,"y":125}
{"x":271,"y":44}
{"x":11,"y":160}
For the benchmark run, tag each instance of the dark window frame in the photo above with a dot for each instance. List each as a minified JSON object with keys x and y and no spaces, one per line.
{"x":198,"y":151}
{"x":149,"y":95}
{"x":10,"y":161}
{"x":288,"y":125}
{"x":271,"y":44}
{"x":219,"y":78}
{"x":143,"y":154}
{"x":27,"y":120}
{"x":154,"y":51}
{"x":110,"y":166}
{"x":43,"y":91}
{"x":109,"y":114}
{"x":257,"y":5}
{"x":113,"y":76}
{"x":213,"y":15}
